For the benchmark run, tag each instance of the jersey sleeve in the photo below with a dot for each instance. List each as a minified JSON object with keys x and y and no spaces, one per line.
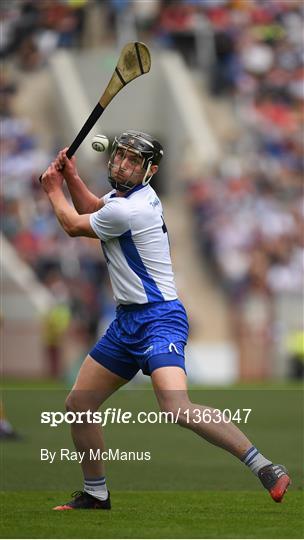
{"x":112,"y":220}
{"x":107,"y":196}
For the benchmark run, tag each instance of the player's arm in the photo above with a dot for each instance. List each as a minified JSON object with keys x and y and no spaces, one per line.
{"x":69,"y":219}
{"x":83,"y":199}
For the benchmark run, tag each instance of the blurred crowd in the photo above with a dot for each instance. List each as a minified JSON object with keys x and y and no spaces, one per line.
{"x":249,"y":212}
{"x":32,"y":30}
{"x":72,"y":270}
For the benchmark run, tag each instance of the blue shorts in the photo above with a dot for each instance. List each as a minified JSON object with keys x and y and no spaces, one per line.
{"x":145,"y":337}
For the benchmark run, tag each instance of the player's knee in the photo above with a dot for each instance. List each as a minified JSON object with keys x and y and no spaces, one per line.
{"x":82,"y":401}
{"x":70,"y":403}
{"x":75,"y":403}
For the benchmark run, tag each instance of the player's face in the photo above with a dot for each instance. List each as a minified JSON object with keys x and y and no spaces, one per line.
{"x":128,"y":166}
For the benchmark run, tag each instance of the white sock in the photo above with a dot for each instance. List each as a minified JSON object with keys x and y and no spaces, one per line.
{"x":254,"y":460}
{"x":96,"y":487}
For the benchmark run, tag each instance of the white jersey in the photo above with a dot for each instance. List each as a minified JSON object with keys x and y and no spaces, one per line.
{"x":135,"y":243}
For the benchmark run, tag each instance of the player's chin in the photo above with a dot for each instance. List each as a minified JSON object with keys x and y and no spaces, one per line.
{"x":118,"y":177}
{"x":122,"y":180}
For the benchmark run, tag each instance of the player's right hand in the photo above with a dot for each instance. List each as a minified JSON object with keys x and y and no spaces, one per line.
{"x":65,"y":165}
{"x":51,"y":179}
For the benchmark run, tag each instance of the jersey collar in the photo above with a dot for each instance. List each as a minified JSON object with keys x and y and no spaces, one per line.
{"x":136,"y":188}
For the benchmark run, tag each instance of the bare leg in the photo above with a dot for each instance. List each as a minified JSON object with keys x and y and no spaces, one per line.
{"x":94,"y":384}
{"x":170,"y":387}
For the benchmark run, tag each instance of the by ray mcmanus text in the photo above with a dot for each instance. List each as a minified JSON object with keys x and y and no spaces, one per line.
{"x":65,"y":454}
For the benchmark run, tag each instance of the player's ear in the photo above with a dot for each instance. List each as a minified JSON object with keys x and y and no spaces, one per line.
{"x":154,"y":169}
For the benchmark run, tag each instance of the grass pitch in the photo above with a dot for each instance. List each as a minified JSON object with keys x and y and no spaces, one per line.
{"x":189,"y":489}
{"x":156,"y":515}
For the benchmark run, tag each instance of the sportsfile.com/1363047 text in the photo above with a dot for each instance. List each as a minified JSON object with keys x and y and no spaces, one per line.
{"x":118,"y":416}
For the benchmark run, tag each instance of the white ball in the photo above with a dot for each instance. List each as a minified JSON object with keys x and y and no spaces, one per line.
{"x":100,"y":143}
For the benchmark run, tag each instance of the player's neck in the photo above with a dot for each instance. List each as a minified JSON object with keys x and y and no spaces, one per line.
{"x":124,"y":193}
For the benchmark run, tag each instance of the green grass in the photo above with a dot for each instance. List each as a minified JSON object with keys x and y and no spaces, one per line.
{"x":189,"y":489}
{"x":156,"y":515}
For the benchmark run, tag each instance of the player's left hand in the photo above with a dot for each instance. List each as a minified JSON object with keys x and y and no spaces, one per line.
{"x":51,"y":179}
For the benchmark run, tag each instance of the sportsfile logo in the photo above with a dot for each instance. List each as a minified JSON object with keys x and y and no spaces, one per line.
{"x":109,"y":416}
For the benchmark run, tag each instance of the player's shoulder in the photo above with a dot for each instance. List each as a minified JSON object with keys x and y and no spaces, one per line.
{"x":116,"y":208}
{"x":112,"y":220}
